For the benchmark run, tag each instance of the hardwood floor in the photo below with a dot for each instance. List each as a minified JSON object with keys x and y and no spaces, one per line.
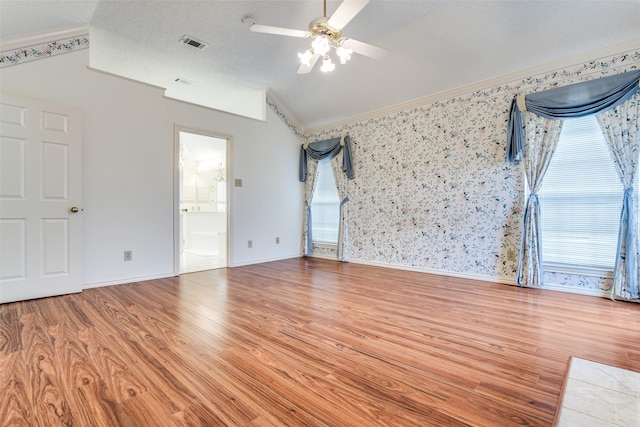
{"x":303,"y":342}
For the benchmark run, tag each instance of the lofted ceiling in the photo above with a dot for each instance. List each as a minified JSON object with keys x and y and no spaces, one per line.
{"x":433,"y":46}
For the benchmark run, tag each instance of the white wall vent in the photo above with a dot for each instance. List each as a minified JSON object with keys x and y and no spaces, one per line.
{"x":193,"y":42}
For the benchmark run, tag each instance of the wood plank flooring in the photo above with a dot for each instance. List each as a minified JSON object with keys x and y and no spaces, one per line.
{"x":303,"y":342}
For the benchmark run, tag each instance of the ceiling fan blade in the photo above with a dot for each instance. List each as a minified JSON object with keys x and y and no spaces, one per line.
{"x":365,"y":49}
{"x":304,"y":69}
{"x":347,"y":10}
{"x":278,"y":31}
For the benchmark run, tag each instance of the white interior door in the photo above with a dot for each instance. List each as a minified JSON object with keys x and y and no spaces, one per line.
{"x":40,"y":199}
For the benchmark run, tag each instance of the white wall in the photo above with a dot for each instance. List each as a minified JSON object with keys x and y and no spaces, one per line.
{"x":128,"y":170}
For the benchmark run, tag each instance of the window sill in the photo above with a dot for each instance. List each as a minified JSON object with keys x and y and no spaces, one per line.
{"x":578,"y":270}
{"x":323,"y":245}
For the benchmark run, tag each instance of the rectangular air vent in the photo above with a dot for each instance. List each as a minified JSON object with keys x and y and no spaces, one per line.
{"x":193,"y":42}
{"x":183,"y":81}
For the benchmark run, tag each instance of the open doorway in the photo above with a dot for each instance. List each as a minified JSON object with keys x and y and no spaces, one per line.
{"x":203,"y":204}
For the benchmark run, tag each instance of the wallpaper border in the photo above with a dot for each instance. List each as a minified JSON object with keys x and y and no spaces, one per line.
{"x":284,"y":115}
{"x":10,"y":57}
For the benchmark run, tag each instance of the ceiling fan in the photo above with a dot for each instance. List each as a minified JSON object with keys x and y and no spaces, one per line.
{"x":325,"y":33}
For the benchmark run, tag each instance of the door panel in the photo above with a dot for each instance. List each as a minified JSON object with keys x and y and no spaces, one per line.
{"x":55,"y":247}
{"x":55,"y":168}
{"x":40,"y":181}
{"x":12,"y":168}
{"x":13,"y":244}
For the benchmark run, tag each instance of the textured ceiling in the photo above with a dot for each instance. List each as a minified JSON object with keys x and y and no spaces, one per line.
{"x":433,"y":46}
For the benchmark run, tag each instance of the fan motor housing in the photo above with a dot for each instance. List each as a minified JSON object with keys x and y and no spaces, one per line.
{"x":319,"y":27}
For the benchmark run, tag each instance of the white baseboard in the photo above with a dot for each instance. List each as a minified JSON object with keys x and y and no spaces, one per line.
{"x":323,"y":256}
{"x":263,"y":260}
{"x":502,"y":280}
{"x":171,"y":274}
{"x":574,"y":290}
{"x":128,"y":280}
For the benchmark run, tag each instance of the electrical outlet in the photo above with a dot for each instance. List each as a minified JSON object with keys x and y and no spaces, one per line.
{"x":511,"y":254}
{"x":249,"y":244}
{"x":128,"y":255}
{"x":277,"y":240}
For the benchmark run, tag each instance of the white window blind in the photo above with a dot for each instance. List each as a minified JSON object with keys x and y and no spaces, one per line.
{"x":325,"y":206}
{"x":581,"y":199}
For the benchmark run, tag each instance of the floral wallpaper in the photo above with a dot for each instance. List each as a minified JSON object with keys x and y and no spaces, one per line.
{"x":433,"y":190}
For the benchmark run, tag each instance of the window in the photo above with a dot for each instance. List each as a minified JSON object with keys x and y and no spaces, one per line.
{"x":325,"y":206}
{"x":581,"y":199}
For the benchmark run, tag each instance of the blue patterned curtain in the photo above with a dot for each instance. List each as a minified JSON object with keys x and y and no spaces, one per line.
{"x":535,"y":141}
{"x":576,"y":100}
{"x":328,"y":148}
{"x":311,"y":175}
{"x":621,"y":128}
{"x":542,"y":136}
{"x":342,"y":183}
{"x":309,"y":156}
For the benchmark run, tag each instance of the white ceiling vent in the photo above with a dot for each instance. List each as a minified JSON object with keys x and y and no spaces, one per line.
{"x":183,"y":81}
{"x":193,"y":42}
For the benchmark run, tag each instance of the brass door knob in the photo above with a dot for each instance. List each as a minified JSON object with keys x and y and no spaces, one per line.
{"x":185,"y":210}
{"x":74,"y":209}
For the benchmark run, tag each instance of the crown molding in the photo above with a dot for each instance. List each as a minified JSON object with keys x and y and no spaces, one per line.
{"x":566,"y":62}
{"x":28,"y":40}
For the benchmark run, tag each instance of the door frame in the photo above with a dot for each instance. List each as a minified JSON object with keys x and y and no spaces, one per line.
{"x":176,"y":189}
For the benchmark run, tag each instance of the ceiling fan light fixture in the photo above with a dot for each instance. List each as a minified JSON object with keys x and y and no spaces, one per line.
{"x":321,"y":44}
{"x":326,"y":35}
{"x":327,"y":65}
{"x":344,"y":53}
{"x":305,"y":58}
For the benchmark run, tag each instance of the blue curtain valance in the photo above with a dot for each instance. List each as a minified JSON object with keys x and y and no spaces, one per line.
{"x":576,"y":100}
{"x":328,"y":148}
